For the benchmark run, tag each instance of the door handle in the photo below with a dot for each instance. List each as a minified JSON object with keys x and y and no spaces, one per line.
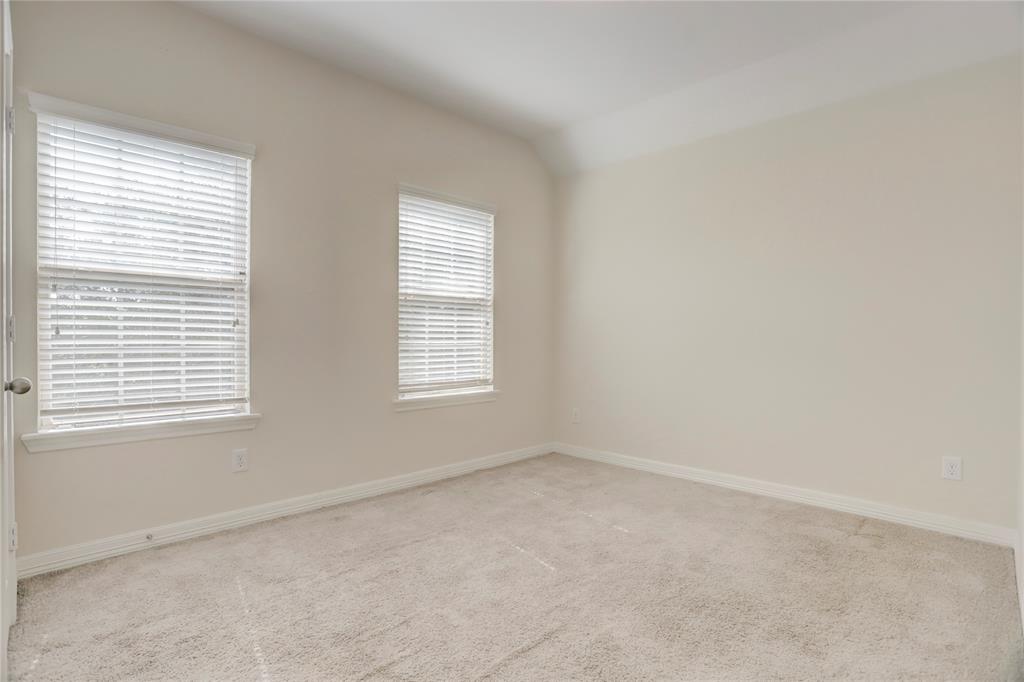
{"x":18,"y":386}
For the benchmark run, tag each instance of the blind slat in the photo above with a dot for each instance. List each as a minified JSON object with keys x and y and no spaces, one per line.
{"x":445,"y":287}
{"x":143,"y":292}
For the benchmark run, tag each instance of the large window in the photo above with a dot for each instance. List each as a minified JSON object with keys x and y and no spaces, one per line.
{"x":445,"y":291}
{"x":143,"y":276}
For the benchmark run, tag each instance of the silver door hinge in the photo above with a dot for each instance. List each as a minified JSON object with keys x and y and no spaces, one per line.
{"x":10,"y":329}
{"x":10,"y":120}
{"x":12,"y":537}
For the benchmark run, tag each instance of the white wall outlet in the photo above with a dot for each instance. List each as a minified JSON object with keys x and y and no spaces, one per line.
{"x":239,"y":460}
{"x":952,"y":468}
{"x":574,"y":415}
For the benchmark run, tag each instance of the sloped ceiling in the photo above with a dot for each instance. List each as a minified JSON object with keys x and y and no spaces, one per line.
{"x":592,"y":83}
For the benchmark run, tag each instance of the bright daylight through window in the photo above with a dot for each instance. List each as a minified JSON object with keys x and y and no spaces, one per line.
{"x":446,"y":304}
{"x":143,"y":278}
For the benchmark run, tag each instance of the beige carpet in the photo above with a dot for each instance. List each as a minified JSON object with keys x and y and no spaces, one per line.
{"x":549,"y":569}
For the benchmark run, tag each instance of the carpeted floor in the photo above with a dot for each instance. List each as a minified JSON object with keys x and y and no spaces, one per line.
{"x":549,"y":569}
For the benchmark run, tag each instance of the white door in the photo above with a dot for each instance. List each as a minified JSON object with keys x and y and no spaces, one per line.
{"x":11,"y":385}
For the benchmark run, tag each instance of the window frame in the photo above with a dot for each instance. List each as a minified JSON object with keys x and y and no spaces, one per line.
{"x":247,"y":418}
{"x":459,"y":395}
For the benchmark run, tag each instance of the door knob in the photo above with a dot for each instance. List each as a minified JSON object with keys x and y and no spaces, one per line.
{"x":18,"y":386}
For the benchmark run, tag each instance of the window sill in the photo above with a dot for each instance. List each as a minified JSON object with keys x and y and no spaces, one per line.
{"x":428,"y":402}
{"x":109,"y":435}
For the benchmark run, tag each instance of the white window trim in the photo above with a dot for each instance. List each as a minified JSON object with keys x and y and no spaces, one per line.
{"x":39,"y":103}
{"x":431,"y":401}
{"x":406,"y":188}
{"x":484,"y":394}
{"x":68,"y":439}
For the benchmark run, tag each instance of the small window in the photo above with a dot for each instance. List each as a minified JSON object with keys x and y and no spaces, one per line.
{"x":143,"y":277}
{"x":445,"y":297}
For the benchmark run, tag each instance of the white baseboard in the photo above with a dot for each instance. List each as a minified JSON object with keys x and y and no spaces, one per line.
{"x":972,"y":530}
{"x":74,"y":555}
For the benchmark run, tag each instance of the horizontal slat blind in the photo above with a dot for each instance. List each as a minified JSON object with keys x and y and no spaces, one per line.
{"x":445,"y":287}
{"x":143,"y":264}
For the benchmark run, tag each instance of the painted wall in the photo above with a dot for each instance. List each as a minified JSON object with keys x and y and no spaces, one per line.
{"x":831,"y":300}
{"x":331,"y":150}
{"x":1020,"y":472}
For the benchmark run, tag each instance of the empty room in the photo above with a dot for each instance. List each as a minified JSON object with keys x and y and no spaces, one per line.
{"x":511,"y":341}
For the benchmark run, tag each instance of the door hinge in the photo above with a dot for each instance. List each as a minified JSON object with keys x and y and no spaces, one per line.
{"x":11,"y":336}
{"x":12,"y":537}
{"x":10,"y":120}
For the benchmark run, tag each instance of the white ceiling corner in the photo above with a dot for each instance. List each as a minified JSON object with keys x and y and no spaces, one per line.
{"x":917,"y":42}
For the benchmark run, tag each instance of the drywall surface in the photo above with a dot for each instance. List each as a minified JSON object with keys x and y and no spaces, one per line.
{"x":331,"y":152}
{"x":831,"y":300}
{"x":1020,"y":463}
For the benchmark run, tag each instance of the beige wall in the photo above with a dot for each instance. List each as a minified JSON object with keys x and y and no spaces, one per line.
{"x":1020,"y":473}
{"x":832,"y":300}
{"x":331,"y":149}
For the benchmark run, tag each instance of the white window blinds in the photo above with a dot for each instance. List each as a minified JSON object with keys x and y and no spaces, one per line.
{"x":143,"y":277}
{"x":445,"y":287}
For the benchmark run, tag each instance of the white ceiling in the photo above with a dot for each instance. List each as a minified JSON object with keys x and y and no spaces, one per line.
{"x":595,"y":82}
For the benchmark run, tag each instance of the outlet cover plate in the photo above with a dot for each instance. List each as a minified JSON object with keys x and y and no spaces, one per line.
{"x":952,"y":468}
{"x":239,"y":460}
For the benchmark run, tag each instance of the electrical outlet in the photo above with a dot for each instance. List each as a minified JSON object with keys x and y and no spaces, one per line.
{"x":239,"y":460}
{"x":952,"y":468}
{"x":574,"y":416}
